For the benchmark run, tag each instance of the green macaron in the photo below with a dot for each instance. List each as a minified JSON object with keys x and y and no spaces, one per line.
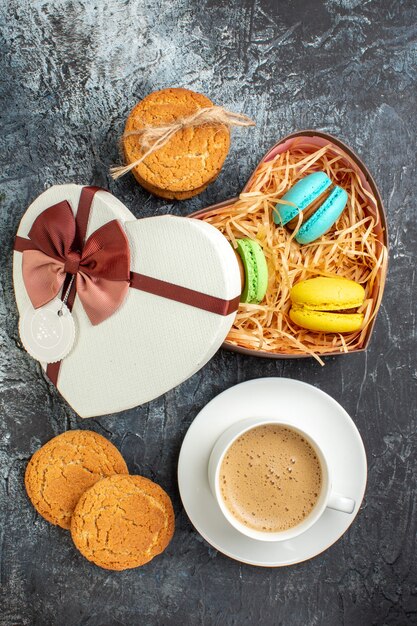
{"x":256,"y":271}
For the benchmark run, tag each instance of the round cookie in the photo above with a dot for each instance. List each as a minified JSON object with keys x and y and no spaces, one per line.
{"x":191,"y":159}
{"x":64,"y":468}
{"x":123,"y":522}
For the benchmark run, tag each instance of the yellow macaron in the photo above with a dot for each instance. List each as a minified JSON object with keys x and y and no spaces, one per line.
{"x":327,"y":304}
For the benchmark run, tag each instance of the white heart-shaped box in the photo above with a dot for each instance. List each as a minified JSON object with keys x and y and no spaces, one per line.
{"x":150,"y":344}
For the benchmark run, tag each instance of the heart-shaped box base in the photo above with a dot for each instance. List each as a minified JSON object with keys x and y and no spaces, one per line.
{"x":312,"y":140}
{"x":151,"y":343}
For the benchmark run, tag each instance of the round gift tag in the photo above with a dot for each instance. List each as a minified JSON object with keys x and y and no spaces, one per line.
{"x":48,"y":333}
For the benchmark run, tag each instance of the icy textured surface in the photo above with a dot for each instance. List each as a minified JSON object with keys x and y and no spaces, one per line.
{"x":70,"y":72}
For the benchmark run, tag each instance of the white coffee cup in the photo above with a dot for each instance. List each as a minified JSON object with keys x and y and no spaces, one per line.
{"x":327,"y":498}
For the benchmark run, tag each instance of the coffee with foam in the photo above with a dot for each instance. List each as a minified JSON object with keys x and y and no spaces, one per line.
{"x":270,"y":478}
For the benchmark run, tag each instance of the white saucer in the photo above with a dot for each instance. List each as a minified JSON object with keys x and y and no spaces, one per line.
{"x":330,"y":426}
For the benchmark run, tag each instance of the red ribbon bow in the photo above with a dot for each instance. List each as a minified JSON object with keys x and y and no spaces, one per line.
{"x":55,"y":250}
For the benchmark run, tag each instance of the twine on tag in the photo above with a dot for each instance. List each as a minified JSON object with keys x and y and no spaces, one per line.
{"x":152,"y":138}
{"x":65,"y":298}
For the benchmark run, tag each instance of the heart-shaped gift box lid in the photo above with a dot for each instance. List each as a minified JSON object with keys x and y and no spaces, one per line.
{"x":151,"y":343}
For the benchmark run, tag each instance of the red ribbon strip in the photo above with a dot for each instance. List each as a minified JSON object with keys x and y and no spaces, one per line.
{"x":183,"y":294}
{"x":56,"y":251}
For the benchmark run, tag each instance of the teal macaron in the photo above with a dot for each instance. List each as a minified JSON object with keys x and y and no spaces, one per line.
{"x":320,"y":201}
{"x":255,"y":280}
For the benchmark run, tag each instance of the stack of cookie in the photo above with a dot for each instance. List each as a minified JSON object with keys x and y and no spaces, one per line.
{"x":190,"y":160}
{"x":80,"y":481}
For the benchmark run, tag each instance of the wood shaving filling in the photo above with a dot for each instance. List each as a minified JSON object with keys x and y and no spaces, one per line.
{"x":354,"y":248}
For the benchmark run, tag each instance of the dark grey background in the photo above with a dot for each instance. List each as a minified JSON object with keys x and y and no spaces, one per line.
{"x":70,"y":73}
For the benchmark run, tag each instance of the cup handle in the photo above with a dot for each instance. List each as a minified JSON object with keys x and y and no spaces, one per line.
{"x":340,"y":503}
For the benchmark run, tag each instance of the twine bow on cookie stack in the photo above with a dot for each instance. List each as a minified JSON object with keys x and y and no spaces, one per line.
{"x":152,"y":138}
